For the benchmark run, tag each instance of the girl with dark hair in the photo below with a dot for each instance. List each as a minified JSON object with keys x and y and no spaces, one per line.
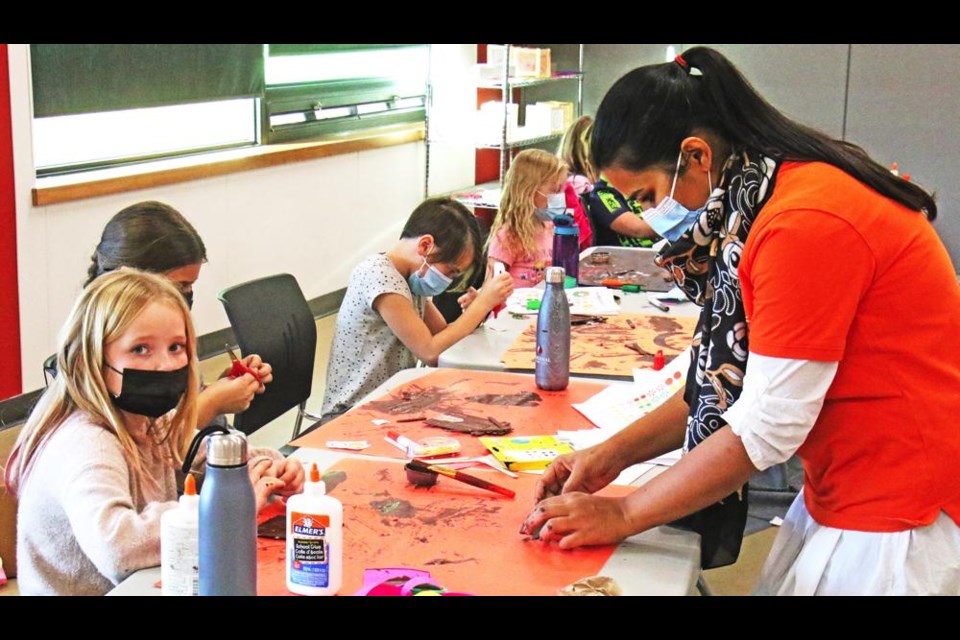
{"x":800,"y":249}
{"x":155,"y":237}
{"x":387,"y":321}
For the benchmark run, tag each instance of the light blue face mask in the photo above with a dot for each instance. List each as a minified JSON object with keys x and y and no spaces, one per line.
{"x":556,"y":206}
{"x":670,"y":219}
{"x":432,"y":283}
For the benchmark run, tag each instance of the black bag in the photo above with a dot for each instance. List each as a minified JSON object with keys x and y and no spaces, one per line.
{"x":721,"y":528}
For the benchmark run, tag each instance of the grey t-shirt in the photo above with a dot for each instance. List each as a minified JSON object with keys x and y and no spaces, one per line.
{"x":365,"y":351}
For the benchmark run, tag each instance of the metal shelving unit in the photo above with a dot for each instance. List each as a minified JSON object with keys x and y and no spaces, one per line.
{"x":473,"y":195}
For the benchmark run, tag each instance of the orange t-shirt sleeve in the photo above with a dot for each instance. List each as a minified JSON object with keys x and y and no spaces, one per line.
{"x":803,"y":275}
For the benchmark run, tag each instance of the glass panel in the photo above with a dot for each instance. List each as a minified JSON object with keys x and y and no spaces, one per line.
{"x":408,"y":65}
{"x":114,"y":136}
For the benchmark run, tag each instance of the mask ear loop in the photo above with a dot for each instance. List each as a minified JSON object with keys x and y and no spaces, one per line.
{"x":676,"y":174}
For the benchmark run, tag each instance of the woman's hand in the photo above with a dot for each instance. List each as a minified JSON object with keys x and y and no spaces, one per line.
{"x":577,"y":519}
{"x":585,"y":471}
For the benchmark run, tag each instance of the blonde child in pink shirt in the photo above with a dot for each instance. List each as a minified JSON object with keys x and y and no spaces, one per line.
{"x":521,"y":238}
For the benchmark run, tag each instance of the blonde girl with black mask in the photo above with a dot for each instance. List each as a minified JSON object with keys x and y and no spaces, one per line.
{"x":93,"y":468}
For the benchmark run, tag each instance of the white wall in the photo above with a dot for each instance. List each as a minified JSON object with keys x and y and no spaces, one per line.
{"x":313,"y":219}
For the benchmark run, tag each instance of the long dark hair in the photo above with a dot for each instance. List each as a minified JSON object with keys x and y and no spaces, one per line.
{"x":150,"y":236}
{"x":648,"y":113}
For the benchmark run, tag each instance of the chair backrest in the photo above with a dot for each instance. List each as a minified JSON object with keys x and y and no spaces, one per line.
{"x":270,"y":317}
{"x":49,"y":369}
{"x":8,"y":506}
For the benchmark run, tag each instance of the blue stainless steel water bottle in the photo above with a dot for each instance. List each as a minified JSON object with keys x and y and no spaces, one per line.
{"x":553,"y":334}
{"x":228,"y":520}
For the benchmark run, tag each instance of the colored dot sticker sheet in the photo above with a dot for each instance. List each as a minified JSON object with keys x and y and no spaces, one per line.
{"x":460,"y":404}
{"x":467,"y":538}
{"x":618,"y":406}
{"x":611,"y":347}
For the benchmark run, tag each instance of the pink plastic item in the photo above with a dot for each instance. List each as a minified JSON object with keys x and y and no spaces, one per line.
{"x":399,"y":582}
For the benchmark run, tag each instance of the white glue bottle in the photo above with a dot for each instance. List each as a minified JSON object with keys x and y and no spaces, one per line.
{"x":314,"y":540}
{"x":179,"y":544}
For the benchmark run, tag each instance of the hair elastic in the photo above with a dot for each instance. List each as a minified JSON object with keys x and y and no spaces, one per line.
{"x":691,"y":71}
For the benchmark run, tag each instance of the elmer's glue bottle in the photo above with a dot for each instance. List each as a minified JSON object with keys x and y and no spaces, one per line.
{"x":314,"y":540}
{"x":179,"y":544}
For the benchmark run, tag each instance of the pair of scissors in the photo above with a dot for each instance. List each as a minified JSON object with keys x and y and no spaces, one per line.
{"x":239,"y":368}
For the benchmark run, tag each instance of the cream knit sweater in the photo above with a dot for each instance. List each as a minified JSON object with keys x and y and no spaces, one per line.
{"x":82,"y":528}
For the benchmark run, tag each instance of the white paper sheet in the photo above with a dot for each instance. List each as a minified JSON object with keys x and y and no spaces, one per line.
{"x":584,"y":301}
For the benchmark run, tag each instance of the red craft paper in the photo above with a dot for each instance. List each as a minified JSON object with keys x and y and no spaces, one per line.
{"x":554,"y":412}
{"x":466,"y":537}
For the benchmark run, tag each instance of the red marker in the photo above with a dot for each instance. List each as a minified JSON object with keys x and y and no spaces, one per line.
{"x":658,"y":361}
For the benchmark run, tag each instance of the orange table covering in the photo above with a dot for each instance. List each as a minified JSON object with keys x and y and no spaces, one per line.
{"x":507,"y":398}
{"x":466,"y":537}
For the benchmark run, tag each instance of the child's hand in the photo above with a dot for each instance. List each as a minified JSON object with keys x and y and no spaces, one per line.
{"x":233,"y":395}
{"x":290,"y":471}
{"x":264,"y":484}
{"x":495,"y":291}
{"x":256,"y":364}
{"x":467,"y":299}
{"x":264,"y":370}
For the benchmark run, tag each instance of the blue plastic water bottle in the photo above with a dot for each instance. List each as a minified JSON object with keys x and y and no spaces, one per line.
{"x":566,"y":245}
{"x":228,"y":520}
{"x":553,"y":334}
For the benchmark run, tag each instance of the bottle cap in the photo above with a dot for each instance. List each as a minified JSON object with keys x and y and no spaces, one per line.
{"x":190,"y":500}
{"x":227,"y":449}
{"x":190,"y":485}
{"x":315,"y":485}
{"x":555,"y":275}
{"x":563,"y":221}
{"x":566,"y":231}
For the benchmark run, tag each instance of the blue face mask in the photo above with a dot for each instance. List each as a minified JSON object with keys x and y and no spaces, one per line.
{"x":556,"y":206}
{"x":432,"y":283}
{"x":670,"y":219}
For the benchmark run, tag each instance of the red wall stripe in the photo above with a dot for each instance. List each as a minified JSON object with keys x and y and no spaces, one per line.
{"x":11,"y":380}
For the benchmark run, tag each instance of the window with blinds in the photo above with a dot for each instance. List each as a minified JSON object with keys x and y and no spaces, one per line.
{"x":319,"y":89}
{"x":99,"y":105}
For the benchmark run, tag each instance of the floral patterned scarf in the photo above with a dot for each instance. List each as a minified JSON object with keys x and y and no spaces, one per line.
{"x":704,"y":265}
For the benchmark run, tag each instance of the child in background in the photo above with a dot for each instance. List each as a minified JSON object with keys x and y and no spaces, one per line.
{"x":521,"y":237}
{"x":387,"y":321}
{"x":617,"y":221}
{"x":155,"y":237}
{"x":575,"y":151}
{"x":94,"y":466}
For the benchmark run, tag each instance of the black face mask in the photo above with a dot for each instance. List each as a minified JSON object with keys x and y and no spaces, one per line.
{"x":151,"y":393}
{"x":188,"y":296}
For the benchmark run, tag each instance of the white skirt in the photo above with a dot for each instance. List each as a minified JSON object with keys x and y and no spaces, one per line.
{"x":810,"y":559}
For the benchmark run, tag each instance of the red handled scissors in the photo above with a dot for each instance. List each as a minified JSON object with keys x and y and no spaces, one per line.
{"x":239,"y":368}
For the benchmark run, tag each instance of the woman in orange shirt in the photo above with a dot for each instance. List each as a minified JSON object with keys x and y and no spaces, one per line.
{"x":800,"y":250}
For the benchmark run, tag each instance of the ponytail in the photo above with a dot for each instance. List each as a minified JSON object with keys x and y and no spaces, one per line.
{"x":648,"y":112}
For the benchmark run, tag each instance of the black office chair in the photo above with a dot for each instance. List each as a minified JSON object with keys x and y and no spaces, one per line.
{"x":49,"y":369}
{"x":270,"y":317}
